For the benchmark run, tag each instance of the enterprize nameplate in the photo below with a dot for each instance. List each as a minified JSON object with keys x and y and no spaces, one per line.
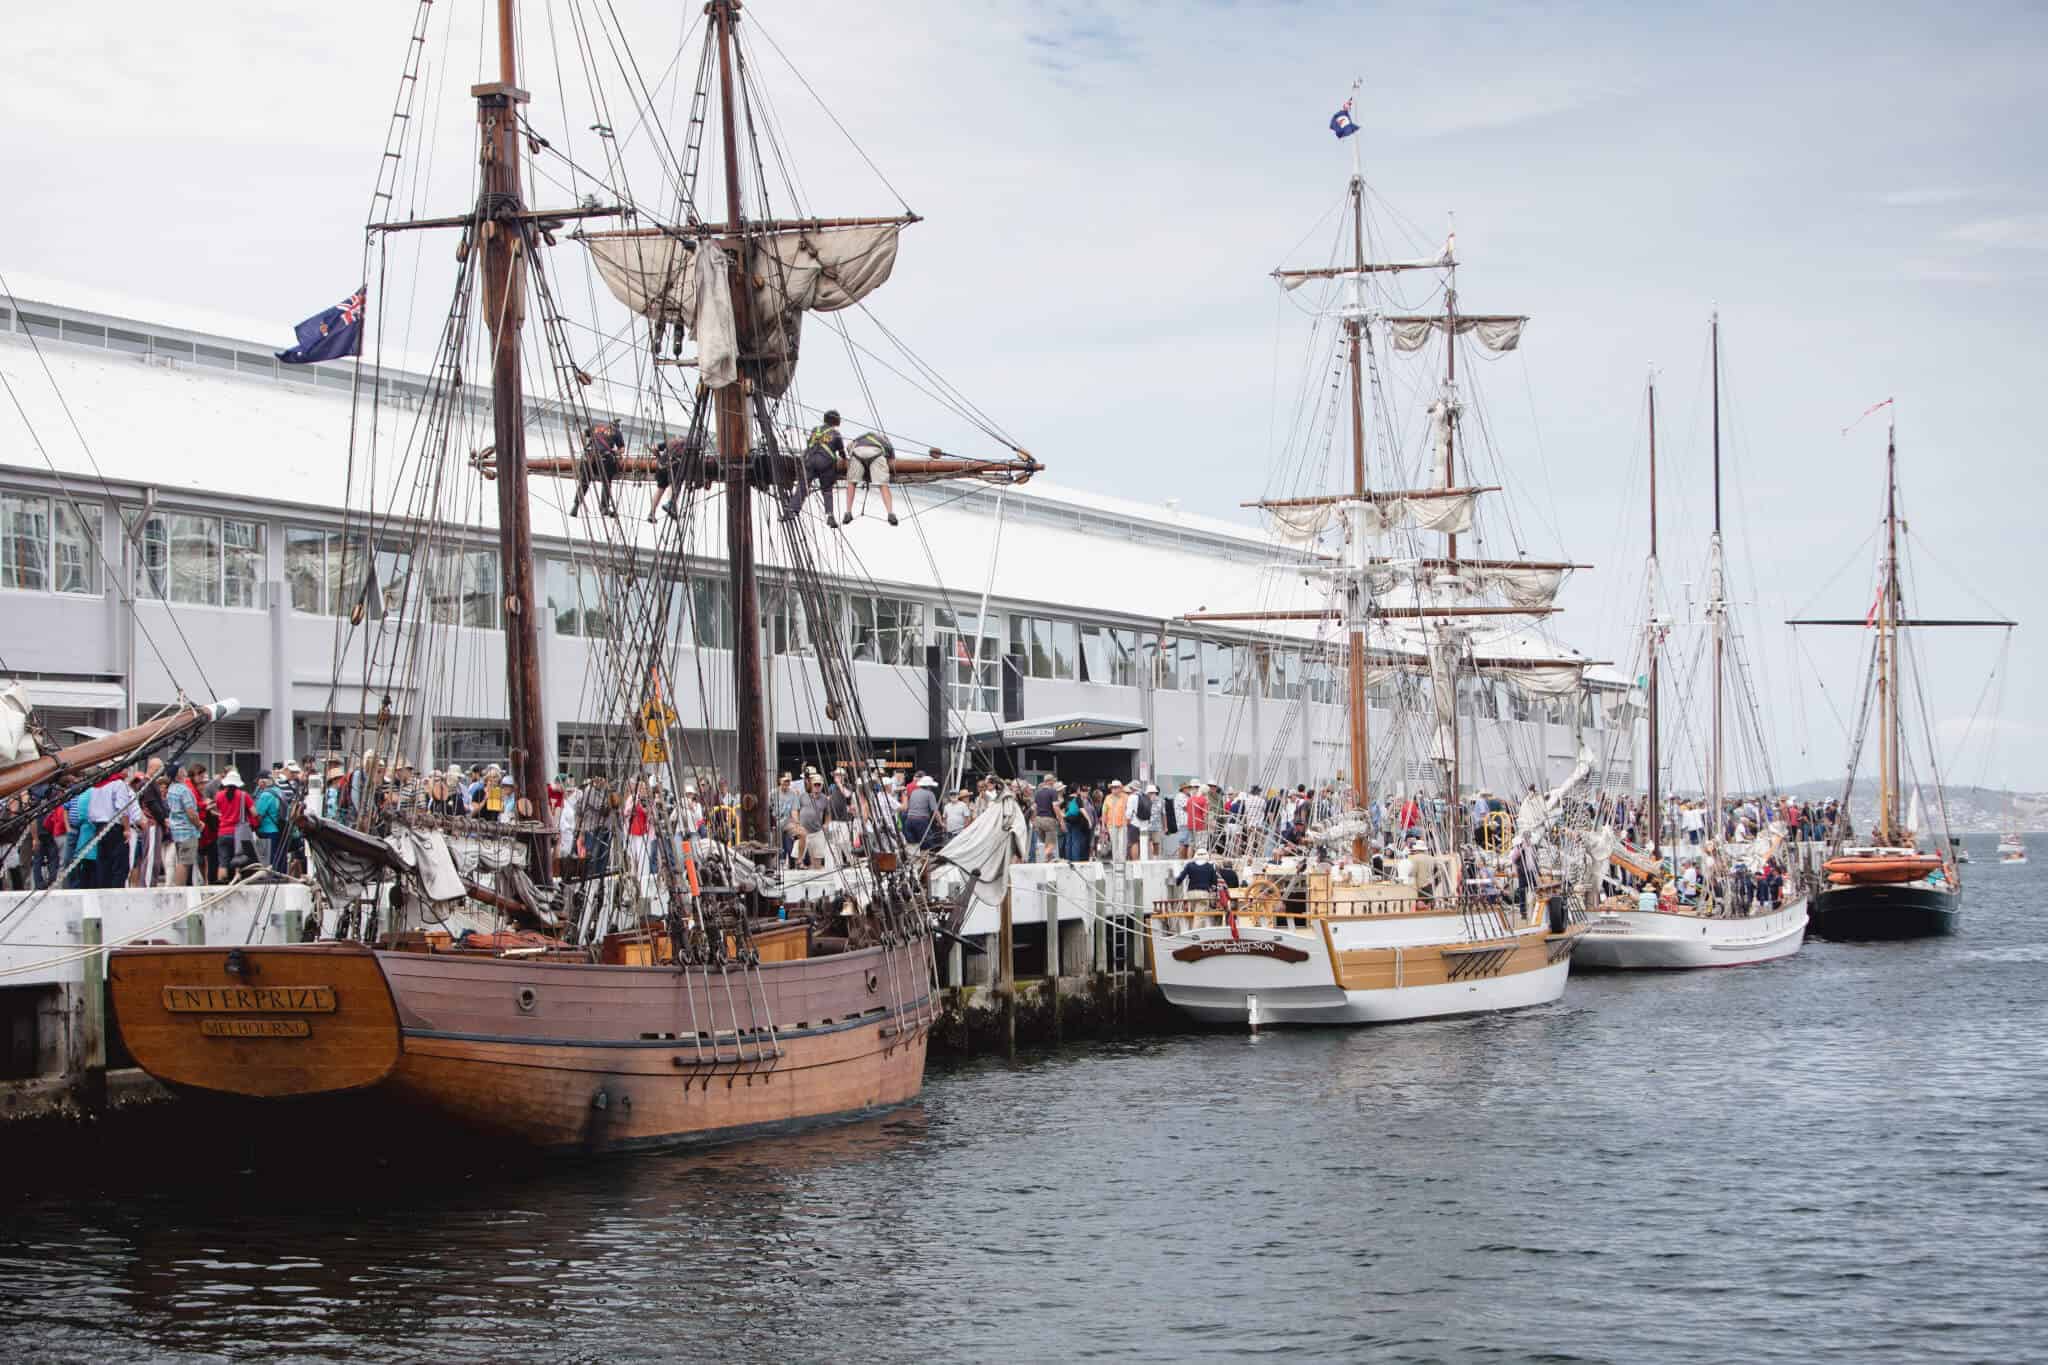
{"x":255,"y":1028}
{"x":249,"y":999}
{"x":1239,"y":947}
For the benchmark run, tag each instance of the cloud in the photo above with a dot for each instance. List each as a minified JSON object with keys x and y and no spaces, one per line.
{"x":1923,"y":197}
{"x":2024,"y":230}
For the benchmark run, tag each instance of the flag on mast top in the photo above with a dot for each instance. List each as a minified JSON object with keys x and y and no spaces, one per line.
{"x":1341,"y":122}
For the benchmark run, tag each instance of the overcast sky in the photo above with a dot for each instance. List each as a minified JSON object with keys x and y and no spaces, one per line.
{"x":1858,"y":189}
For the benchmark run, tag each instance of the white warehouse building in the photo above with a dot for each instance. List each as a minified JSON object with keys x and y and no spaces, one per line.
{"x":179,"y":455}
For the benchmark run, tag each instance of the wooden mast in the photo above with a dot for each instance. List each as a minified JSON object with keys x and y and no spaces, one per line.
{"x":1450,"y":661}
{"x":504,"y":237}
{"x":1656,"y":787}
{"x":734,"y":438}
{"x":1360,"y":704}
{"x":1717,"y":607}
{"x":1888,"y":653}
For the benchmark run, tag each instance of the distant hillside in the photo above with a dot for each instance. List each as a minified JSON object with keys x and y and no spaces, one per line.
{"x":1971,"y":810}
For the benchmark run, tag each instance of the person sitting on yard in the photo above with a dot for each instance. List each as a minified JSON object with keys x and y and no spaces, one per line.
{"x":871,"y":461}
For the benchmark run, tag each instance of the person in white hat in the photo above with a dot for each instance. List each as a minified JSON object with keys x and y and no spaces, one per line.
{"x":921,"y":814}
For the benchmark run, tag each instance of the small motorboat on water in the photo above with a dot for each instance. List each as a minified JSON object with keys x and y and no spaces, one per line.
{"x":2012,"y":847}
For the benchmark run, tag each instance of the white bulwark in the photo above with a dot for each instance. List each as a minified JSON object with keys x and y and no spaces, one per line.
{"x":191,"y":465}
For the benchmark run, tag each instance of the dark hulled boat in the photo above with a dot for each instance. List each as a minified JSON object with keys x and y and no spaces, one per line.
{"x":1890,"y":889}
{"x":1879,"y":910}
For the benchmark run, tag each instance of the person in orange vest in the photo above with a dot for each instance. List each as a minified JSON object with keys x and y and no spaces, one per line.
{"x":1116,"y":819}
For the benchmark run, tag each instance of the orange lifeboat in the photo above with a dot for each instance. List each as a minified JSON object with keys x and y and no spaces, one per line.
{"x":1853,"y":868}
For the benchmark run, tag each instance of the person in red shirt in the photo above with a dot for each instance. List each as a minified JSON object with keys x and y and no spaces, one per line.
{"x":235,"y":806}
{"x":1198,"y":820}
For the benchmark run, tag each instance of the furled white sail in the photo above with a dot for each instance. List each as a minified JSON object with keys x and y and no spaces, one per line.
{"x":1291,"y":280}
{"x":1546,"y":680}
{"x":1494,"y":333}
{"x":1534,"y":588}
{"x":1440,"y":442}
{"x":790,"y":272}
{"x":1447,"y":514}
{"x":16,"y":744}
{"x":718,"y":342}
{"x":977,"y":859}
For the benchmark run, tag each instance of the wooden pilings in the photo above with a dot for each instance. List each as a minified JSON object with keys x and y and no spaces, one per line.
{"x":1006,"y":965}
{"x":91,"y":1065}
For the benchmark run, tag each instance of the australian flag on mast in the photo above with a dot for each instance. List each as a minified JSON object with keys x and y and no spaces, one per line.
{"x":1341,"y":122}
{"x":333,"y":335}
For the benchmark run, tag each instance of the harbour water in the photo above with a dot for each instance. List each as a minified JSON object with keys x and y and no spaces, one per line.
{"x":1841,"y":1155}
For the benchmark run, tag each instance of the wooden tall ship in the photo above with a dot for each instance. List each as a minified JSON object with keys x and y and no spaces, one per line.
{"x":1331,"y":933}
{"x":1724,"y":926}
{"x":504,"y":974}
{"x":1890,"y":887}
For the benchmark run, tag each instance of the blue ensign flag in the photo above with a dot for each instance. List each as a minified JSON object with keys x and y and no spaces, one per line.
{"x":333,"y":335}
{"x":1340,"y":122}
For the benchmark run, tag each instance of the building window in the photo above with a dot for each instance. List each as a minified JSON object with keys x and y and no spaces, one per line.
{"x":576,"y":598}
{"x":789,"y":629}
{"x":710,"y":607}
{"x":469,"y":745}
{"x":888,"y":631}
{"x":325,"y":571}
{"x":46,"y":545}
{"x":1051,"y":649}
{"x":462,"y":587}
{"x":241,"y":563}
{"x":584,"y":751}
{"x":973,"y":680}
{"x":198,"y":560}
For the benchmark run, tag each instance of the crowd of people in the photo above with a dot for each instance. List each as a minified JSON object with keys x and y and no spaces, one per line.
{"x":1692,"y":823}
{"x":156,"y":825}
{"x":152,"y":825}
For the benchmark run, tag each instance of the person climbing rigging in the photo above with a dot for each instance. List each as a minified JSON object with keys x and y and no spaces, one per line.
{"x":822,"y":454}
{"x":871,"y":460}
{"x":678,"y":464}
{"x":602,"y":446}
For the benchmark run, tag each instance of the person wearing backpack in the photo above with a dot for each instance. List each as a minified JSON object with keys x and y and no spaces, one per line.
{"x":1144,"y":822}
{"x":1077,"y":828}
{"x":82,"y":854}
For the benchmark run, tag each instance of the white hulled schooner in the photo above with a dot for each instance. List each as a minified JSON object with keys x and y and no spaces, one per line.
{"x":1400,"y":906}
{"x":1646,"y":923}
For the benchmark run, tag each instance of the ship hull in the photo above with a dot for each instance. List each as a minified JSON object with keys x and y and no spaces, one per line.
{"x":1897,"y":910}
{"x":1351,"y":974}
{"x":1635,"y":940}
{"x":544,"y":1056}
